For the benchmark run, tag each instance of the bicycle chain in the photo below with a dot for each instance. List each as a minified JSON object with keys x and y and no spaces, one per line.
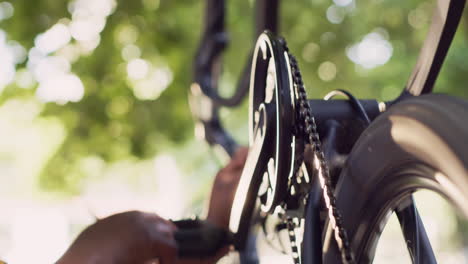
{"x":309,"y":128}
{"x":292,"y":238}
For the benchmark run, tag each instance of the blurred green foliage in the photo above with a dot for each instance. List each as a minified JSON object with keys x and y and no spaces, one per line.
{"x":110,"y":122}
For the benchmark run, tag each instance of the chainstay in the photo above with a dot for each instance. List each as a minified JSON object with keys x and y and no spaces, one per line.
{"x":311,"y":133}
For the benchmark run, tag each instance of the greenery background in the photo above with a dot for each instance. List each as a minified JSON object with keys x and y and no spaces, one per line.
{"x":111,"y":123}
{"x":120,"y":126}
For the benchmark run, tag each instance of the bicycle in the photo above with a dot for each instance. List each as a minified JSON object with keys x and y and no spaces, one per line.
{"x":357,"y":179}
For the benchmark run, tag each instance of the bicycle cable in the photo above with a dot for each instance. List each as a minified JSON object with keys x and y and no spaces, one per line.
{"x":310,"y":131}
{"x":353,"y":100}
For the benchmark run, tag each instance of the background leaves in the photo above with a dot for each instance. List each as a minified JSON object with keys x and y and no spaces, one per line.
{"x":119,"y":119}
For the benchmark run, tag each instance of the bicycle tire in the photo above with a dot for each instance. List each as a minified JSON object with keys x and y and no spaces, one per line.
{"x":417,"y":144}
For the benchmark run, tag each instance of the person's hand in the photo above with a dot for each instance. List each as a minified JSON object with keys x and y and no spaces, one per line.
{"x":222,"y":196}
{"x":125,"y":238}
{"x":224,"y":188}
{"x":137,"y":237}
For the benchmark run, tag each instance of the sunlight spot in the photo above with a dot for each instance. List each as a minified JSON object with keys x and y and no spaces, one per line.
{"x":382,"y":32}
{"x":24,"y":79}
{"x":34,"y":57}
{"x":342,"y":2}
{"x":48,"y":67}
{"x":391,"y":247}
{"x":61,"y":89}
{"x":30,"y":227}
{"x":150,"y":88}
{"x":7,"y":74}
{"x":87,"y":46}
{"x":2,"y":36}
{"x":130,"y":52}
{"x":418,"y":18}
{"x":327,"y":71}
{"x":18,"y":52}
{"x":372,"y":51}
{"x":137,"y":69}
{"x":56,"y":82}
{"x":7,"y":62}
{"x":11,"y":53}
{"x":53,"y":39}
{"x":127,"y":34}
{"x":310,"y":51}
{"x":101,"y":8}
{"x":6,"y":10}
{"x":92,"y":166}
{"x":87,"y":28}
{"x":335,"y":14}
{"x":71,"y":52}
{"x":327,"y":38}
{"x":169,"y":187}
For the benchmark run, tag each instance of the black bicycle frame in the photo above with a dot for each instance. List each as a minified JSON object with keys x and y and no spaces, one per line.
{"x":207,"y":66}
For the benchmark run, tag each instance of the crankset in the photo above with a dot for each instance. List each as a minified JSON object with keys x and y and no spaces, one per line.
{"x":272,"y":140}
{"x":281,"y":121}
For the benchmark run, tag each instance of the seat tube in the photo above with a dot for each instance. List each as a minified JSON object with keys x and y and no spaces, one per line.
{"x":266,"y":16}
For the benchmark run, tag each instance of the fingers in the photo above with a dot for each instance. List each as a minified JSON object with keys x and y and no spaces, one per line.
{"x":167,"y":254}
{"x":161,"y":233}
{"x":129,"y":237}
{"x":224,"y":188}
{"x":241,"y":155}
{"x":230,"y":174}
{"x":239,"y":158}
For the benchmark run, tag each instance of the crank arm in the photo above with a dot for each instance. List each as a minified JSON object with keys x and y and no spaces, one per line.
{"x":252,"y":175}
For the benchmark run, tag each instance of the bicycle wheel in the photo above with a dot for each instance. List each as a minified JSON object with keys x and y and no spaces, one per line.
{"x":419,"y":143}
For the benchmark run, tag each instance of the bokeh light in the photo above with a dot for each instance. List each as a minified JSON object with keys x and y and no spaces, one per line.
{"x":335,"y":14}
{"x":343,"y":2}
{"x":327,"y":71}
{"x":137,"y":69}
{"x":61,"y":89}
{"x":130,"y":52}
{"x":53,"y":39}
{"x":372,"y":51}
{"x":11,"y":54}
{"x":6,"y":10}
{"x":310,"y":51}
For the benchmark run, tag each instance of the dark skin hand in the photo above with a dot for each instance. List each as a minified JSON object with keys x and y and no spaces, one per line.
{"x":130,"y":237}
{"x":221,"y":198}
{"x":145,"y":238}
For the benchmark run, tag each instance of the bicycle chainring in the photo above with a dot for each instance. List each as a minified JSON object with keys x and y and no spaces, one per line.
{"x":272,"y":114}
{"x":271,"y":84}
{"x":280,"y":124}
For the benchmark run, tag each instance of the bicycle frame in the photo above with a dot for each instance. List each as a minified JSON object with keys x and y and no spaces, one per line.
{"x":206,"y":68}
{"x":447,"y":15}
